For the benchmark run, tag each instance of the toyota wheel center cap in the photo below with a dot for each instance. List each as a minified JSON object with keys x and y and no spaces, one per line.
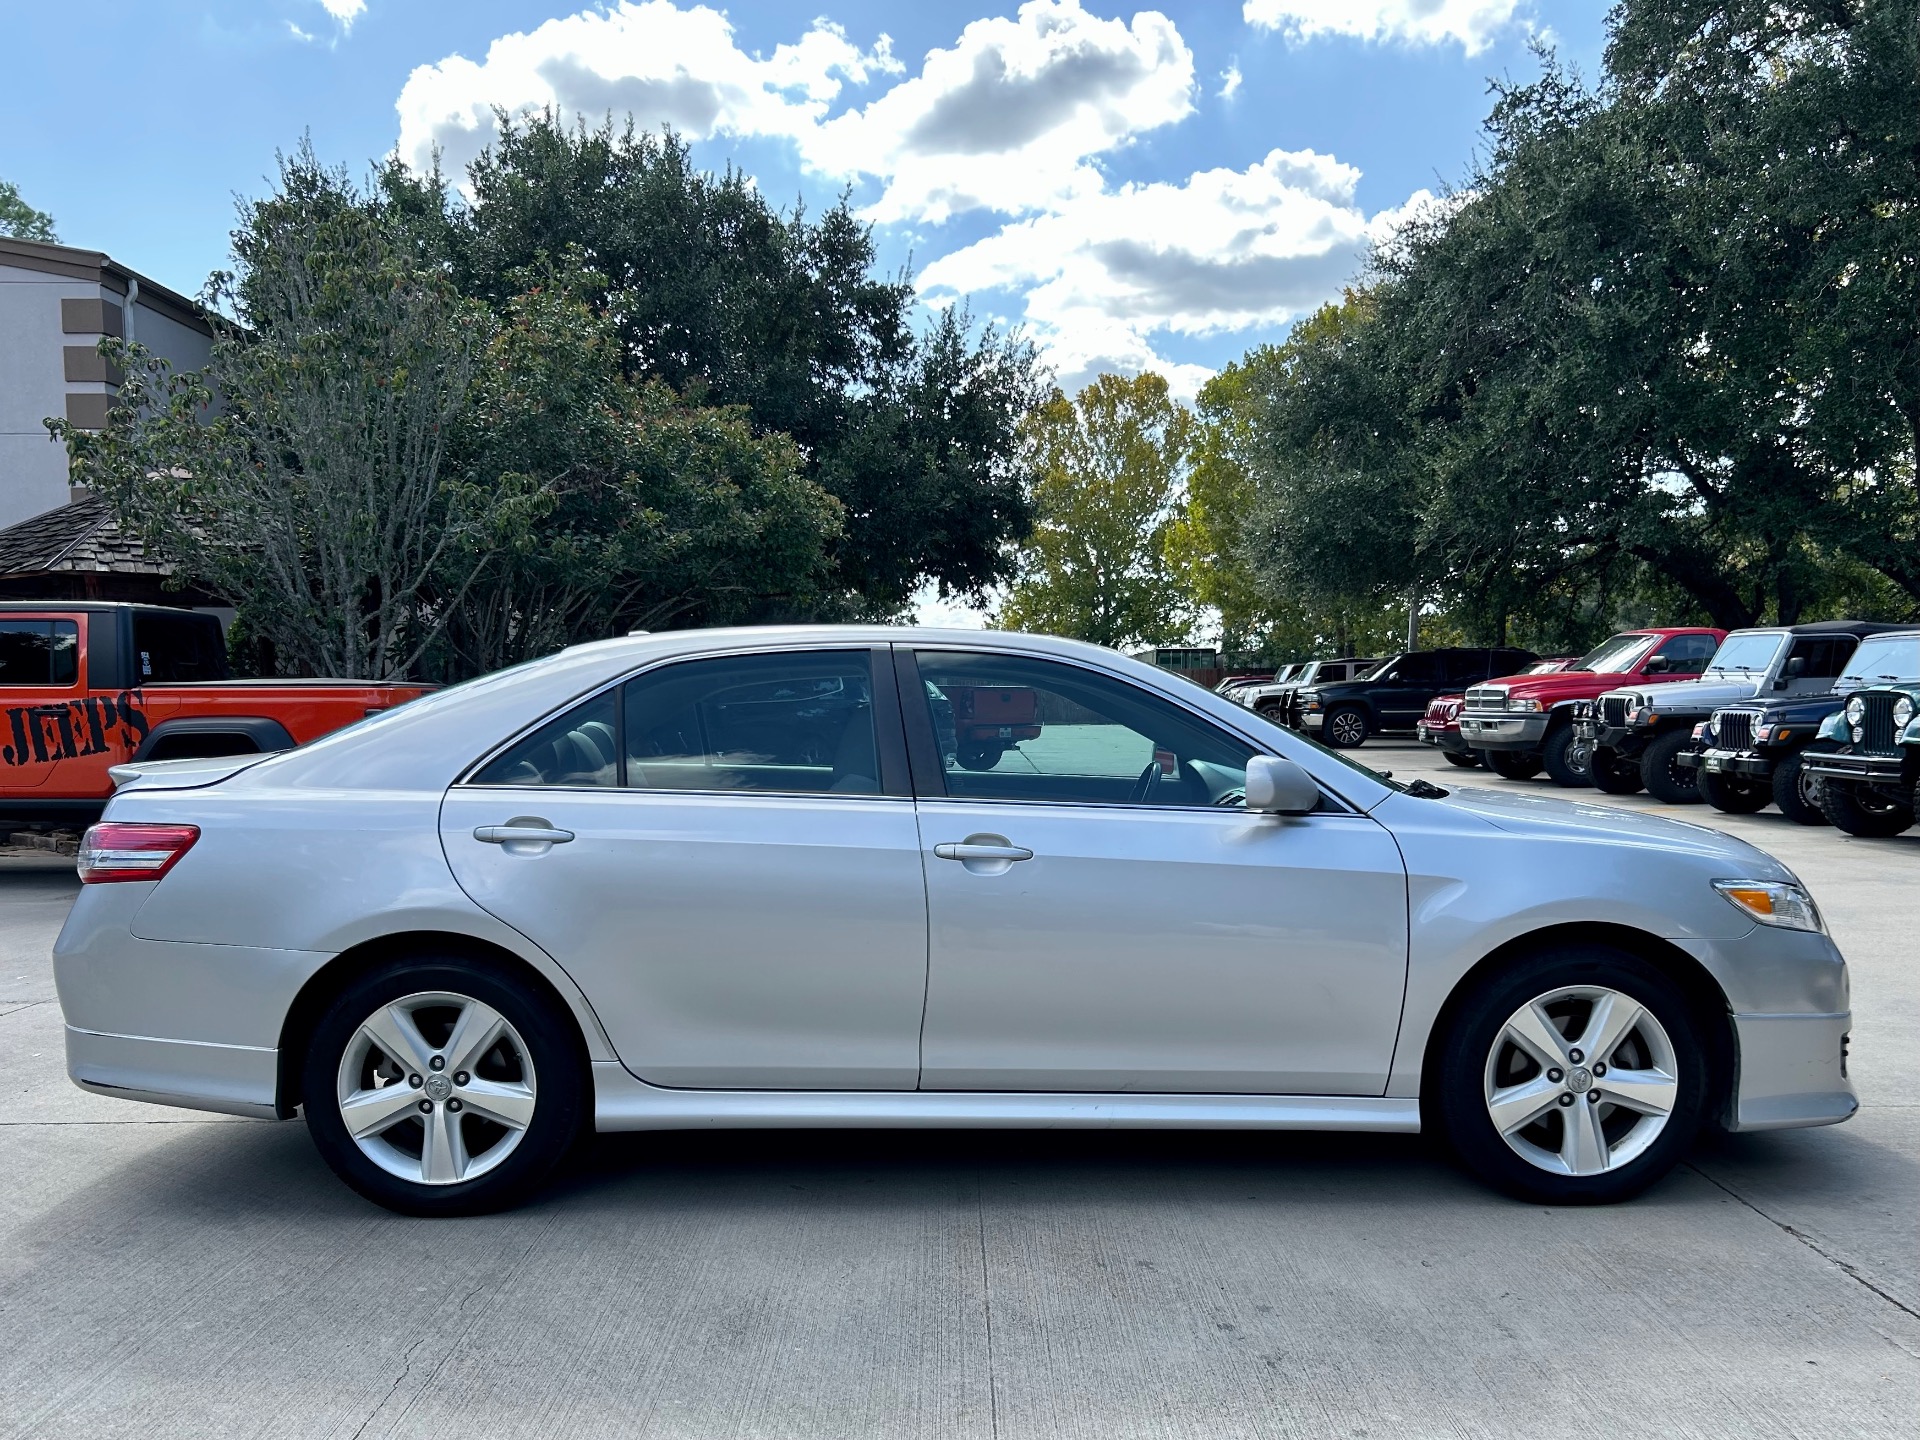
{"x":1579,"y":1079}
{"x":439,"y":1087}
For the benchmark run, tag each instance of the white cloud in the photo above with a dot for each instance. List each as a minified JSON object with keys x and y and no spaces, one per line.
{"x":1471,"y":24}
{"x":1230,"y":80}
{"x":345,"y":11}
{"x":653,"y":60}
{"x":1227,"y":250}
{"x":301,"y":35}
{"x":1013,"y":115}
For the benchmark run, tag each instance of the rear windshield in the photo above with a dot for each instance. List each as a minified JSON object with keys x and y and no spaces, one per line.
{"x":1617,"y":656}
{"x":1884,"y":657}
{"x":167,"y":648}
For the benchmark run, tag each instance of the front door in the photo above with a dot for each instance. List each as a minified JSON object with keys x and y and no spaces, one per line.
{"x":1104,"y":916}
{"x":723,"y":853}
{"x":49,"y":721}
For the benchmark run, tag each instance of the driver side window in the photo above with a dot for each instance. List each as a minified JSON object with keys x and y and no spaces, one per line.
{"x":1009,"y":727}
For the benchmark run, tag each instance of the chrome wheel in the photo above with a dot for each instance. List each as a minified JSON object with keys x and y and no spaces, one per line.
{"x":1347,"y":727}
{"x":436,"y":1088}
{"x":1581,"y":1080}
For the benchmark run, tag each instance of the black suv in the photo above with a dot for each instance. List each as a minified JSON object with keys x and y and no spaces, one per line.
{"x":1395,"y":696}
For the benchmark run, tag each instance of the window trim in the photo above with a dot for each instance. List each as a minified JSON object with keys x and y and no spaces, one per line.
{"x":890,"y":745}
{"x":930,"y":778}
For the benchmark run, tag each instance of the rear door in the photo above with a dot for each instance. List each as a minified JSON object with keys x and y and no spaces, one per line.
{"x":1412,"y":681}
{"x":723,"y":853}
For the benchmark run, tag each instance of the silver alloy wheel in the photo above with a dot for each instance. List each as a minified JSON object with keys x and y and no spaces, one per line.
{"x":1581,"y":1080}
{"x":436,"y":1088}
{"x":1348,"y":727}
{"x":1580,"y":757}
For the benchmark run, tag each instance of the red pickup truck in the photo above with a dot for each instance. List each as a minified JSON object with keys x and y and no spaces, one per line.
{"x":89,"y":684}
{"x":1523,"y":724}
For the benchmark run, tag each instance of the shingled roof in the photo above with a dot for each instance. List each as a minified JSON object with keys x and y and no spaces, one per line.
{"x":79,"y":538}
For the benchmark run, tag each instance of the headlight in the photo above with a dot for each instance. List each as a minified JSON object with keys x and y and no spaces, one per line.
{"x":1856,"y":710}
{"x":1773,"y":902}
{"x":1531,"y":705}
{"x":1902,"y":712}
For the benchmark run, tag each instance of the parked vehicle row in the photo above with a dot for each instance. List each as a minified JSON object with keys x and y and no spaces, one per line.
{"x":1818,"y":720}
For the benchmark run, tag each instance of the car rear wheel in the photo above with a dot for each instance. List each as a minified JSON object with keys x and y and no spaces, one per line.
{"x":1664,"y":778}
{"x":1733,"y":796}
{"x":1346,"y":727}
{"x":1613,"y":773}
{"x":1578,"y":1076}
{"x":443,"y":1087}
{"x":1513,"y":764}
{"x":1863,"y":812}
{"x":1796,"y":792}
{"x":1568,"y":759}
{"x":980,"y":754}
{"x":1465,"y":759}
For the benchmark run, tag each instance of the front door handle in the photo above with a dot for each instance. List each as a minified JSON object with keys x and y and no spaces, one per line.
{"x":974,"y":850}
{"x":523,"y":835}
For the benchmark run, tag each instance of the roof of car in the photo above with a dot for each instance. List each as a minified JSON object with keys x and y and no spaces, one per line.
{"x":1845,"y":627}
{"x":92,"y":607}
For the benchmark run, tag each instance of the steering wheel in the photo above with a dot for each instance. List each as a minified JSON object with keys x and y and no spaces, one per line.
{"x":1143,"y":787}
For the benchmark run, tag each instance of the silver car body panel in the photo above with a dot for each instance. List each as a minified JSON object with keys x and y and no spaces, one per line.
{"x":179,"y":991}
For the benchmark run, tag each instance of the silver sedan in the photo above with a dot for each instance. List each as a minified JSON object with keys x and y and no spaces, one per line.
{"x":865,"y":876}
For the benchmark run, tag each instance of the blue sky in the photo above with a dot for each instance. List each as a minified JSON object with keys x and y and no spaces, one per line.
{"x":1139,"y":187}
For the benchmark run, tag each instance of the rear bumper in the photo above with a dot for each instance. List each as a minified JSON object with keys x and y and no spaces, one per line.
{"x":1793,"y":1071}
{"x":193,"y":1075}
{"x":1504,"y":732}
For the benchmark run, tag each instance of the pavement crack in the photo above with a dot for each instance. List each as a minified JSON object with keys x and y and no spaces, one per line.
{"x":986,"y":1299}
{"x":406,"y":1368}
{"x":1847,"y":1268}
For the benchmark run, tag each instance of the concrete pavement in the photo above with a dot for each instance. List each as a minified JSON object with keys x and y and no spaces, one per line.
{"x":168,"y":1274}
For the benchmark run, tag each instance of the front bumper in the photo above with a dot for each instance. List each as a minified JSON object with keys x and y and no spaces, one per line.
{"x":1450,"y":740}
{"x":1846,"y":765}
{"x":1523,"y":731}
{"x":1793,"y":1071}
{"x":1744,"y":763}
{"x":1308,"y":720}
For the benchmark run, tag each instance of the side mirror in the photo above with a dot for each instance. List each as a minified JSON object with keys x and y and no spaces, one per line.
{"x":1279,"y":787}
{"x":1796,"y":667}
{"x":1658,"y":665}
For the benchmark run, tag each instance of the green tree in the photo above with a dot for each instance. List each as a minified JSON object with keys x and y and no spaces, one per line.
{"x":728,"y":301}
{"x":21,"y":220}
{"x":1110,"y":469}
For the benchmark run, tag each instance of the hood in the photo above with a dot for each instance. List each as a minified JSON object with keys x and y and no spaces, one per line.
{"x":1561,"y":684}
{"x":1522,"y":813}
{"x":1701,"y":695}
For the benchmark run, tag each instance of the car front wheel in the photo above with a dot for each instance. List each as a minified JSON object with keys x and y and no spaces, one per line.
{"x":1568,"y":759}
{"x":1863,"y":812}
{"x":1733,"y":796}
{"x":1576,"y":1077}
{"x":1513,"y":764}
{"x":1465,"y":759}
{"x":1796,"y":792}
{"x":1612,"y":773}
{"x":443,"y":1087}
{"x":1664,"y":778}
{"x":1346,"y":727}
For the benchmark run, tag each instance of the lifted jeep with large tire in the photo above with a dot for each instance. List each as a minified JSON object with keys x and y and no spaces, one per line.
{"x":1755,"y":754}
{"x":1869,"y":779}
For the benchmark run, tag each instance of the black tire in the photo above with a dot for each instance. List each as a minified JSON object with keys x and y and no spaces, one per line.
{"x":1468,"y":1051}
{"x":1863,"y":812}
{"x":1568,"y":760}
{"x":1346,"y":727}
{"x":1796,"y":792}
{"x":1513,"y":764}
{"x":1665,"y":780}
{"x":1731,"y":795}
{"x":980,"y":754}
{"x":1465,"y":759}
{"x":559,"y":1084}
{"x":1614,"y":774}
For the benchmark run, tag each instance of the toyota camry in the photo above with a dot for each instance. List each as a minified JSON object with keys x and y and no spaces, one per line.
{"x":846,"y":876}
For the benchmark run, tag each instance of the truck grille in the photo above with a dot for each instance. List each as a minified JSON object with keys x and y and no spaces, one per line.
{"x":1877,"y":725}
{"x":1613,"y":710}
{"x":1733,"y":729}
{"x":1487,"y":697}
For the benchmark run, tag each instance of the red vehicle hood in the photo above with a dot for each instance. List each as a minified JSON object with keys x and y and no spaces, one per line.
{"x":1557,"y":685}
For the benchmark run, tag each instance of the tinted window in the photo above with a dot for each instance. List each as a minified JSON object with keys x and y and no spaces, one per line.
{"x":1820,"y":657}
{"x":792,"y":723}
{"x":177,"y":647}
{"x":1013,"y":728}
{"x":579,"y":748}
{"x":1688,"y":654}
{"x":1416,"y":670}
{"x":39,"y":652}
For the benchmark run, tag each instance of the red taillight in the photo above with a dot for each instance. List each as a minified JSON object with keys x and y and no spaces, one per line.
{"x":124,"y":850}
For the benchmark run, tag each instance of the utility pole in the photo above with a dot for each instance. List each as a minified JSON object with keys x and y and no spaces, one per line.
{"x":1413,"y":622}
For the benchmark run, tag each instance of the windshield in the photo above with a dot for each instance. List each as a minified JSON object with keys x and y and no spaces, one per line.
{"x":1307,"y":673}
{"x":1883,"y":657}
{"x":1347,"y":760}
{"x":1617,"y":656}
{"x":1746,"y":654}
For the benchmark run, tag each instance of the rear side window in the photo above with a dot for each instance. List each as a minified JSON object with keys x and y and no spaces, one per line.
{"x":1821,"y":657}
{"x":579,"y":748}
{"x":39,"y":652}
{"x":168,"y":648}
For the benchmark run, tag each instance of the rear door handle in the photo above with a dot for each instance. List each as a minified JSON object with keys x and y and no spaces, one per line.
{"x":516,"y":834}
{"x":972,"y":850}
